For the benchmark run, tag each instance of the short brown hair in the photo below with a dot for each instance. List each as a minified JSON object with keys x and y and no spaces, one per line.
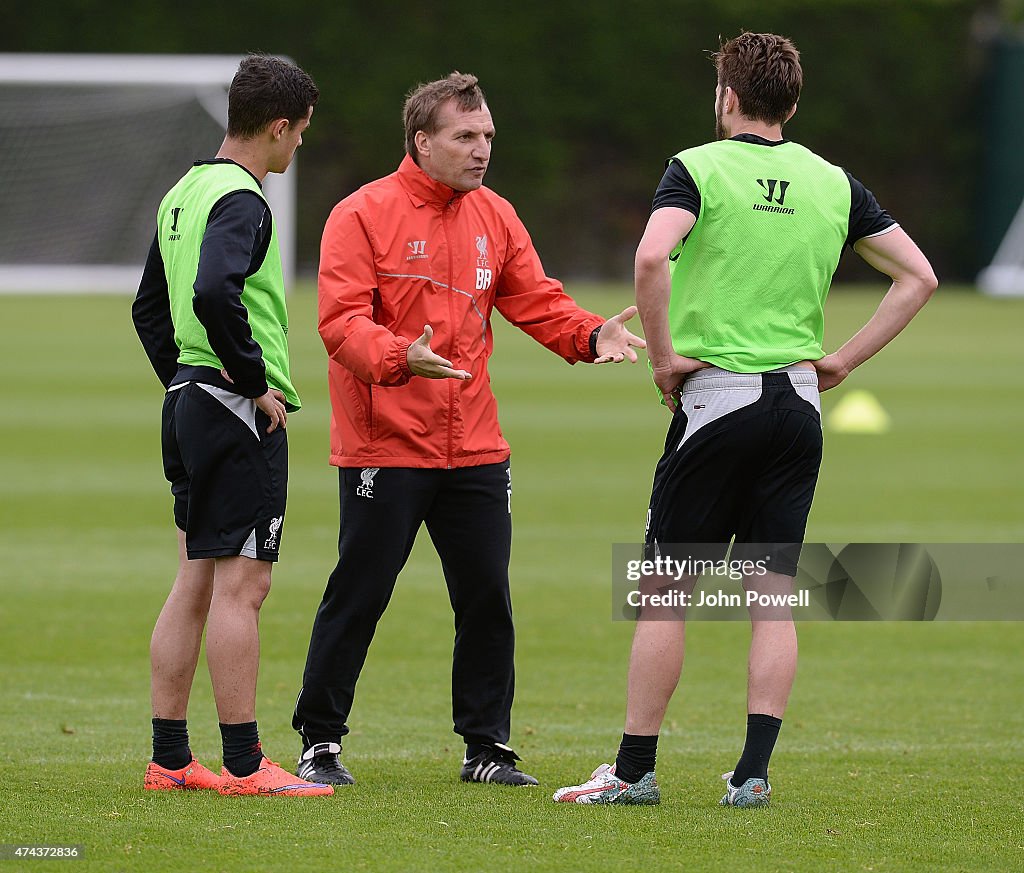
{"x":423,"y":104}
{"x":264,"y":89}
{"x":764,"y":71}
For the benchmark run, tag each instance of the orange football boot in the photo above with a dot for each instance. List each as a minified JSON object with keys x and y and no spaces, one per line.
{"x":270,"y":780}
{"x":192,"y":777}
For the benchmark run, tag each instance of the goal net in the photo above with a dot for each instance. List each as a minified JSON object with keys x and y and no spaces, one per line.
{"x":1004,"y":277}
{"x":90,"y":145}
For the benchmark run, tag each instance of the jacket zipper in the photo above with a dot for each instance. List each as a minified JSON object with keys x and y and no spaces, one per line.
{"x":451,"y":322}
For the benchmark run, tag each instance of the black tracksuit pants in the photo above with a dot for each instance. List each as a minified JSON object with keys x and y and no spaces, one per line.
{"x":468,"y":516}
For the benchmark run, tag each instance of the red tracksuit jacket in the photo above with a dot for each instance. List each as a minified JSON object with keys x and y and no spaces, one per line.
{"x":405,"y":251}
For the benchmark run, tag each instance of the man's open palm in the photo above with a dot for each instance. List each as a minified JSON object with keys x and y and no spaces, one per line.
{"x":615,"y":343}
{"x":423,"y":361}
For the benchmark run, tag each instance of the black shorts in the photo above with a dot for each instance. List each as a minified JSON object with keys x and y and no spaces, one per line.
{"x":741,"y":460}
{"x":229,"y":477}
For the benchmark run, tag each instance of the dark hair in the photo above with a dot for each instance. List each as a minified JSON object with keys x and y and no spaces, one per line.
{"x":423,"y":104}
{"x":264,"y":89}
{"x":764,"y":71}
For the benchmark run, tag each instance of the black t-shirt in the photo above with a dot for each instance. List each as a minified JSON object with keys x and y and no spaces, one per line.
{"x":867,"y":218}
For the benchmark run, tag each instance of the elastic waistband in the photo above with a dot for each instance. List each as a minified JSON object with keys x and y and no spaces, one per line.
{"x":197,"y":373}
{"x":715,"y":377}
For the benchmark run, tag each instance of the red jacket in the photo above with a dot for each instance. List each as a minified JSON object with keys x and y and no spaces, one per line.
{"x":406,"y":251}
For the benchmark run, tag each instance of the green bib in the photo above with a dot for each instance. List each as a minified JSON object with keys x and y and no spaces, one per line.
{"x":749,"y":281}
{"x":181,"y":224}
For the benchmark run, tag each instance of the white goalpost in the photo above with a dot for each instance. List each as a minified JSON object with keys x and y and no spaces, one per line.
{"x":89,"y":144}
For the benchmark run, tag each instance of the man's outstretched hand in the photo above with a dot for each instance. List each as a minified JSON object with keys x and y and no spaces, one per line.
{"x":423,"y":361}
{"x":615,"y":343}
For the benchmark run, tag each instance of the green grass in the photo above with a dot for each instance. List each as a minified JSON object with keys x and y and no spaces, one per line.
{"x":901,"y":748}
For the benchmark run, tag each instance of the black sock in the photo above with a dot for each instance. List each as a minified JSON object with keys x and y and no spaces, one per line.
{"x":762,"y":732}
{"x":170,"y":743}
{"x":474,"y":749}
{"x":242,"y":751}
{"x":636,"y":757}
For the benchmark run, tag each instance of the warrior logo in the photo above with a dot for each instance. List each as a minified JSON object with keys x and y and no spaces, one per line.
{"x":770,"y":188}
{"x":366,"y":489}
{"x":275,"y":530}
{"x":174,"y":235}
{"x":774,"y":195}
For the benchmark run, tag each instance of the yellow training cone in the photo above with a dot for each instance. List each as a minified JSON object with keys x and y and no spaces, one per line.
{"x":858,"y":412}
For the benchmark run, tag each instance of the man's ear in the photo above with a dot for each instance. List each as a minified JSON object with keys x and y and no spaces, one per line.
{"x":422,"y":142}
{"x":279,"y":126}
{"x":792,"y":112}
{"x":730,"y":102}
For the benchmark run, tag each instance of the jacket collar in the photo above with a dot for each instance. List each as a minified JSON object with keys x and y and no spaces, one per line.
{"x":424,"y":190}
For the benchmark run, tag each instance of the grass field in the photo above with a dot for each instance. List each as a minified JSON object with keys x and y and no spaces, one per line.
{"x":901,"y":748}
